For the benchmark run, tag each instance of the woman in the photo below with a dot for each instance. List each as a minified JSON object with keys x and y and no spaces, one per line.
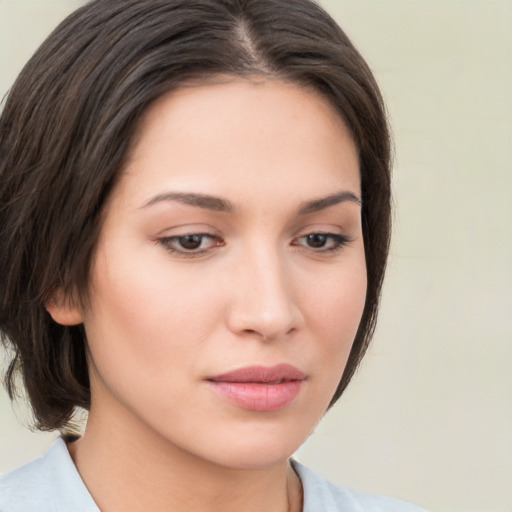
{"x":195,"y":212}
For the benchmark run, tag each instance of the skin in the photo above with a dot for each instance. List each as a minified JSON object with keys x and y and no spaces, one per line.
{"x":162,"y":318}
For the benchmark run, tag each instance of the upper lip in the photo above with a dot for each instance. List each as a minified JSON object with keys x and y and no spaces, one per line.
{"x":261,"y":374}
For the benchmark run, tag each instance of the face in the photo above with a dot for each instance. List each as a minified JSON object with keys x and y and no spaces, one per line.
{"x":229,"y":278}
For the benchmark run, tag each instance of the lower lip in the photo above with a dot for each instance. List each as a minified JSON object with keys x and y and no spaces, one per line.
{"x":258,"y":396}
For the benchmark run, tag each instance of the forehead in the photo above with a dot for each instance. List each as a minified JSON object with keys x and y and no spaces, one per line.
{"x":239,"y":136}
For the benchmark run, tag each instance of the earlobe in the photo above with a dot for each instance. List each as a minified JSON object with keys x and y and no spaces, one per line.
{"x":63,"y":310}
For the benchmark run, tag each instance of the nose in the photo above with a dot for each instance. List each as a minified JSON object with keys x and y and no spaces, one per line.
{"x":264,"y":300}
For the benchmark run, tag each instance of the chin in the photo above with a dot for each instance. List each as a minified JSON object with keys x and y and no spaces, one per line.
{"x":257,"y":451}
{"x":254,"y":459}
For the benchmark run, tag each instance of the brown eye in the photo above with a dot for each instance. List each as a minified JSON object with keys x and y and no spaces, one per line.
{"x":322,"y":242}
{"x":317,"y":240}
{"x":190,"y":242}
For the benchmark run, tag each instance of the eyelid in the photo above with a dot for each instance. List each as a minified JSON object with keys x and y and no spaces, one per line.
{"x":340,"y":240}
{"x":167,"y":243}
{"x":187,"y":229}
{"x":170,"y":239}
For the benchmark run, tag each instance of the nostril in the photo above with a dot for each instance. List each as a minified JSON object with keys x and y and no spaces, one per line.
{"x":256,"y":333}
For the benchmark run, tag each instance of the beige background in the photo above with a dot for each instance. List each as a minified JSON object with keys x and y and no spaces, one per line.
{"x":429,"y":416}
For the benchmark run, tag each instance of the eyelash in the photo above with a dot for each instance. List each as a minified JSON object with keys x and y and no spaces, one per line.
{"x":167,"y":242}
{"x":337,"y":243}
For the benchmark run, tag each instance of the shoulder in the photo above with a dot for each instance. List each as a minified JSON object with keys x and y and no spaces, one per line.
{"x":25,"y":487}
{"x":50,"y":483}
{"x":320,"y":494}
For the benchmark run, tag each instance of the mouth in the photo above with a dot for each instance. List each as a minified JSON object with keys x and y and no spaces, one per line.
{"x":259,"y":388}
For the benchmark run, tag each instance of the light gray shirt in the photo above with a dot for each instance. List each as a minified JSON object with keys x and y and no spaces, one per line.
{"x":51,"y":483}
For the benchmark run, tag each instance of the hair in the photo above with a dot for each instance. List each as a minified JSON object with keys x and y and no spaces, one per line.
{"x":67,"y":126}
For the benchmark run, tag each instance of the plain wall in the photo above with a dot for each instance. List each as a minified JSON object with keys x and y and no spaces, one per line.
{"x":429,"y":416}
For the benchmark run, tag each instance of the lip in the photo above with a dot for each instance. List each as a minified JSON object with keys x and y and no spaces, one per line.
{"x":259,"y":388}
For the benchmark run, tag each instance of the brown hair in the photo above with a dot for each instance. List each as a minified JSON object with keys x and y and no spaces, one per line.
{"x":69,"y":121}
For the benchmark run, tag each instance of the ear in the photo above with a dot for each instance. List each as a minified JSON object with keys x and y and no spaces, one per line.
{"x":62,"y":309}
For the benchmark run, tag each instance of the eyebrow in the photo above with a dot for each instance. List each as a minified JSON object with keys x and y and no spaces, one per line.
{"x":200,"y":200}
{"x":218,"y":204}
{"x":331,"y":200}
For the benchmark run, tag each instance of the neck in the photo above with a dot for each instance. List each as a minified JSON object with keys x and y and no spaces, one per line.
{"x":127,"y":467}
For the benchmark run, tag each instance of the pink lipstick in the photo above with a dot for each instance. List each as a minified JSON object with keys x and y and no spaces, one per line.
{"x":259,"y":388}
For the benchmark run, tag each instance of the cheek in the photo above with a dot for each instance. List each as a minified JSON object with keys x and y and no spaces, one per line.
{"x":146,"y":319}
{"x":337,"y":306}
{"x":334,"y":314}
